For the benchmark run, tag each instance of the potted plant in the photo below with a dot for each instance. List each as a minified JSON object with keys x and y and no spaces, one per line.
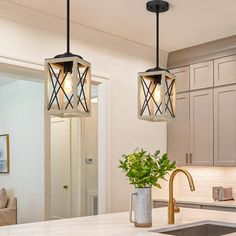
{"x":144,"y":170}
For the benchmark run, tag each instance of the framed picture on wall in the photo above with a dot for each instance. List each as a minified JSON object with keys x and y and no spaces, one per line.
{"x":4,"y":153}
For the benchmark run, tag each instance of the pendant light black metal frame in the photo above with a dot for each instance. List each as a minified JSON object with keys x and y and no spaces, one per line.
{"x":67,"y":66}
{"x":75,"y":102}
{"x":157,"y":6}
{"x":149,"y":107}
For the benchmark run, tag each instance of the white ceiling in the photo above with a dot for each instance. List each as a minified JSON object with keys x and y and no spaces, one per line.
{"x":188,"y":22}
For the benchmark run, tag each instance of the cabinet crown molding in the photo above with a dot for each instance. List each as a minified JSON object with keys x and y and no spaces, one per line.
{"x":202,"y":52}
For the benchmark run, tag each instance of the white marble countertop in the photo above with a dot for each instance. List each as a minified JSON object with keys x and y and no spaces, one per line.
{"x":202,"y":201}
{"x":113,"y":224}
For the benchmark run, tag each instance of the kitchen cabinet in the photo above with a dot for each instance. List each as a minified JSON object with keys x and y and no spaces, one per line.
{"x":182,"y":78}
{"x":201,"y":127}
{"x":178,"y":131}
{"x":204,"y":130}
{"x":190,"y":134}
{"x":201,"y":75}
{"x":225,"y":70}
{"x":225,"y":126}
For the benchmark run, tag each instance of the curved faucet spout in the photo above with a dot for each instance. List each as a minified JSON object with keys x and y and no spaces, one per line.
{"x":172,"y":208}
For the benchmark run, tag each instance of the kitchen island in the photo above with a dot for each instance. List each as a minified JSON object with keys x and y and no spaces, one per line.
{"x":113,"y":224}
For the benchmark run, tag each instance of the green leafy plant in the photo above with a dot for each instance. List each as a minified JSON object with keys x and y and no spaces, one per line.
{"x":144,"y":169}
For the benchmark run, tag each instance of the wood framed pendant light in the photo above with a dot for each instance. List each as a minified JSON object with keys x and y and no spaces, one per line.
{"x":68,"y":82}
{"x":156,"y":86}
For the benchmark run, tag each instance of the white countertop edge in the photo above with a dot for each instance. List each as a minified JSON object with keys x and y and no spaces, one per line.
{"x":117,"y":224}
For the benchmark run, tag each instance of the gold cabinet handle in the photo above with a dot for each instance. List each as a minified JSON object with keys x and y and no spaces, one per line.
{"x":186,"y":158}
{"x":190,"y":158}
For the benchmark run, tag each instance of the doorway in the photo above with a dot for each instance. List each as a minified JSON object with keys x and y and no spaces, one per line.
{"x":77,"y":158}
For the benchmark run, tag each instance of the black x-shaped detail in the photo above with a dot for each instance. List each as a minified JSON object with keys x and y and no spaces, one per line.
{"x":148,"y":96}
{"x":169,"y":101}
{"x":55,"y":89}
{"x":81,"y":96}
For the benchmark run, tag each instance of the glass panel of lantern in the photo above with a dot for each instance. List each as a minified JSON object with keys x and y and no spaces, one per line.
{"x":68,"y":90}
{"x":156,"y":95}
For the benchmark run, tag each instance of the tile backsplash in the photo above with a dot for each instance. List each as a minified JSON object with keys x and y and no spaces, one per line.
{"x":204,"y":179}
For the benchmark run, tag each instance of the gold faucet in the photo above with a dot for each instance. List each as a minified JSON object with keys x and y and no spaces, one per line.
{"x":172,"y":208}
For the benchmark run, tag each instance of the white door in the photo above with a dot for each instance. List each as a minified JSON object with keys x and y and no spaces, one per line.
{"x":178,"y":131}
{"x":201,"y":127}
{"x":60,"y":167}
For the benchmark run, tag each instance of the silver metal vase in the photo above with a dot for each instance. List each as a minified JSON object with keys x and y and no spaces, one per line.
{"x":142,"y":207}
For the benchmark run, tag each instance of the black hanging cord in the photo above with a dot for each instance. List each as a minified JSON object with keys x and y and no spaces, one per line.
{"x":67,"y":53}
{"x":157,"y":38}
{"x":157,"y":7}
{"x":68,"y":26}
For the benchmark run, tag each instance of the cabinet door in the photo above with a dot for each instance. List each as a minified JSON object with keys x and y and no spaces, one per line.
{"x":182,"y":78}
{"x":225,"y":70}
{"x":178,"y":131}
{"x":201,"y":75}
{"x":201,"y":127}
{"x":225,"y":126}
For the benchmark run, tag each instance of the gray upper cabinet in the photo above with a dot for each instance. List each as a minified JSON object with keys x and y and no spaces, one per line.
{"x":178,"y":131}
{"x":182,"y":78}
{"x":204,"y":130}
{"x":201,"y":75}
{"x":201,"y":127}
{"x":225,"y":70}
{"x":225,"y":126}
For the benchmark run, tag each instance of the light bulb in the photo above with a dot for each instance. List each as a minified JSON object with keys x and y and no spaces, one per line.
{"x":157,"y":93}
{"x":68,"y":83}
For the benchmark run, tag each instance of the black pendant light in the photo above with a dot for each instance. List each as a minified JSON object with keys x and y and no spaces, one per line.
{"x":68,"y":82}
{"x":156,"y":86}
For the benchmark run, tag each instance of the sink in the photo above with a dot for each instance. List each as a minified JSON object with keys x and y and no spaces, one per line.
{"x":202,"y":228}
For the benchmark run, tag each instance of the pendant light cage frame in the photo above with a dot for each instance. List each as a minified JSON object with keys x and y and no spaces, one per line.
{"x":156,"y":86}
{"x":77,"y":101}
{"x":152,"y":107}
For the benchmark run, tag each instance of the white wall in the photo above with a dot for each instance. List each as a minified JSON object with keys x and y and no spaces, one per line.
{"x":126,"y":131}
{"x":22,"y":117}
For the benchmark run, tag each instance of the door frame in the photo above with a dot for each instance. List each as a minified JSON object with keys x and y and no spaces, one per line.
{"x":37,"y":72}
